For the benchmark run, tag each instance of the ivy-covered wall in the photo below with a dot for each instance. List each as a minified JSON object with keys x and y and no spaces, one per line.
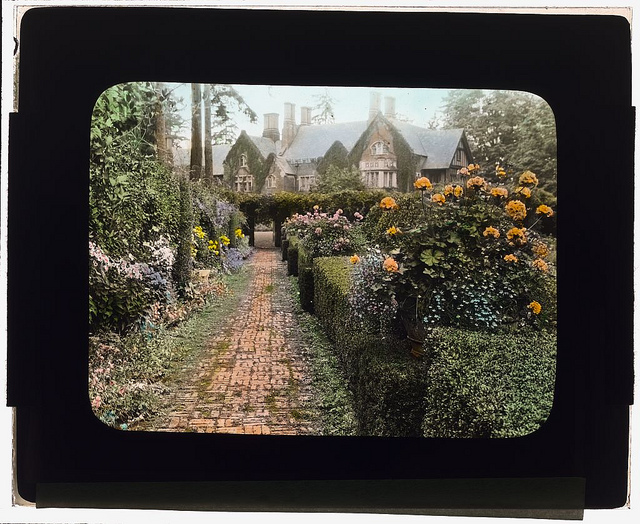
{"x":257,"y":165}
{"x":337,"y":155}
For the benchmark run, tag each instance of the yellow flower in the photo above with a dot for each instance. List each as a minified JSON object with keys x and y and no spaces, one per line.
{"x":393,"y":230}
{"x":524,"y":191}
{"x":544,"y":210}
{"x":535,"y":307}
{"x":239,"y":233}
{"x":225,"y":240}
{"x":354,"y":259}
{"x":457,"y":191}
{"x":511,"y":258}
{"x":198,"y":231}
{"x":500,"y":171}
{"x":491,"y":231}
{"x":213,"y":246}
{"x":194,"y":252}
{"x":473,"y":167}
{"x":516,"y":210}
{"x":477,"y":182}
{"x":540,"y":264}
{"x":438,"y":198}
{"x":390,"y":265}
{"x":423,"y":183}
{"x":448,"y":190}
{"x":388,"y":203}
{"x":541,"y":249}
{"x":499,"y":192}
{"x":528,"y":179}
{"x":517,"y":236}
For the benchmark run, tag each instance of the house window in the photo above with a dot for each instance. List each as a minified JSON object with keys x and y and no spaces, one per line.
{"x":459,"y":158}
{"x":243,"y":160}
{"x":271,"y":182}
{"x":379,"y":148}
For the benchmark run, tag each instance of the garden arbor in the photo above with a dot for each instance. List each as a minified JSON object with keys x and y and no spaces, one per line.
{"x":276,"y":208}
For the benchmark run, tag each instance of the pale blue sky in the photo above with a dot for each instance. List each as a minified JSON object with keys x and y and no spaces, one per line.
{"x":351,"y":103}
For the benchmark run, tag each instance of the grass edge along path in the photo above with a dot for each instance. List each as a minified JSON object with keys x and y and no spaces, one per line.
{"x":144,"y":365}
{"x":333,"y":398}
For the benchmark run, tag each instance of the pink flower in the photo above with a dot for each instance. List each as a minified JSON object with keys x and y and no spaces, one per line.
{"x":318,"y":231}
{"x":96,"y":402}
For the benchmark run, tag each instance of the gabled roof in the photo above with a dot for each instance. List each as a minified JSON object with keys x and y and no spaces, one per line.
{"x":438,"y":145}
{"x":220,"y":152}
{"x":313,"y":141}
{"x":266,"y":146}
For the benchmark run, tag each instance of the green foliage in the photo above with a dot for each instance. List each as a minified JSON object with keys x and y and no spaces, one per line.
{"x":488,"y":385}
{"x":226,"y":103}
{"x":292,"y":258}
{"x":515,"y":129}
{"x":337,"y":155}
{"x":339,"y":179}
{"x":132,"y":196}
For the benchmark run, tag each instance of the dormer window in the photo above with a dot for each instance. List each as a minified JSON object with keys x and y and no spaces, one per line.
{"x":379,"y":148}
{"x":243,"y":160}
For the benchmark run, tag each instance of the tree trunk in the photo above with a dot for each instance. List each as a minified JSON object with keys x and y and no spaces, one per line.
{"x":196,"y":132}
{"x":160,"y":128}
{"x":208,"y":152}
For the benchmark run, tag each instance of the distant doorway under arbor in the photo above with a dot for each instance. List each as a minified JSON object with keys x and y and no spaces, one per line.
{"x":264,"y":240}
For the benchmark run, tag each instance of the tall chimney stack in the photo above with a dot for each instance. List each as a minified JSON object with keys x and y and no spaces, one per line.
{"x":389,"y":107}
{"x":374,"y":105}
{"x":289,"y":124}
{"x":271,"y":127}
{"x":305,"y":116}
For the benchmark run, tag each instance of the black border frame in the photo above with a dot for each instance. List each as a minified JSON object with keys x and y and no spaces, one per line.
{"x":580,"y":65}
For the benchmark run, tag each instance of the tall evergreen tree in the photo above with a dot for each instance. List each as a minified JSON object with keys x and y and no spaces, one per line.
{"x":208,"y":152}
{"x":195,"y":171}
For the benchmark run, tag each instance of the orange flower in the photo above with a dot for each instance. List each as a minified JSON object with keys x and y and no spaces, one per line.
{"x":354,"y":259}
{"x":540,"y":264}
{"x":541,"y":249}
{"x":457,"y":191}
{"x":491,"y":231}
{"x":499,"y":192}
{"x":463,"y":171}
{"x":393,"y":230}
{"x":524,"y":191}
{"x":528,"y":179}
{"x":477,"y":182}
{"x":448,"y":190}
{"x":390,"y":265}
{"x":544,"y":210}
{"x":422,"y":183}
{"x":517,"y":236}
{"x":511,"y":258}
{"x":388,"y":203}
{"x":535,"y":307}
{"x":516,"y":210}
{"x":500,"y":171}
{"x":438,"y":198}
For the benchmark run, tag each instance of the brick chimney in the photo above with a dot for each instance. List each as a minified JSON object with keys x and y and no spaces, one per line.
{"x":305,"y":116}
{"x":271,"y":127}
{"x":389,"y":107}
{"x":374,"y":105}
{"x":289,"y":124}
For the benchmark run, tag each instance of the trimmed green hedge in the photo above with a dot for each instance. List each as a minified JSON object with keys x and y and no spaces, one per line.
{"x":388,"y":384}
{"x":292,"y":257}
{"x":284,"y":246}
{"x":470,"y":384}
{"x":488,"y":385}
{"x":305,"y":278}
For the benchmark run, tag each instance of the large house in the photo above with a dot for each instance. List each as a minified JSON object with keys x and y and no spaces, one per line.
{"x":388,"y":152}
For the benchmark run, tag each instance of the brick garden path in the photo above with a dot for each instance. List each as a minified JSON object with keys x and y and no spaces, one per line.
{"x":253,"y":376}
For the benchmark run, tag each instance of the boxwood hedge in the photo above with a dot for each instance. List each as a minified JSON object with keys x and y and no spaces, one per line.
{"x":488,"y":385}
{"x":470,"y":384}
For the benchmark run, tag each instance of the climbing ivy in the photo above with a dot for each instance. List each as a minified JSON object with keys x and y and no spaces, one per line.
{"x":257,"y":165}
{"x":337,"y":155}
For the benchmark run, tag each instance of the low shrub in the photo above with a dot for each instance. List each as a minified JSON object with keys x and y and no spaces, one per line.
{"x":488,"y":385}
{"x":388,"y":384}
{"x":284,"y":246}
{"x":292,"y":259}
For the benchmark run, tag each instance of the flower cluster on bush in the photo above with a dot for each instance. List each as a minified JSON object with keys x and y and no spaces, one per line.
{"x":326,"y":234}
{"x":470,"y":258}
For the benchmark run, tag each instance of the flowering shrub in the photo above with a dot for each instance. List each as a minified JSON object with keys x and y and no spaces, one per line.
{"x":325,"y":234}
{"x":457,"y":262}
